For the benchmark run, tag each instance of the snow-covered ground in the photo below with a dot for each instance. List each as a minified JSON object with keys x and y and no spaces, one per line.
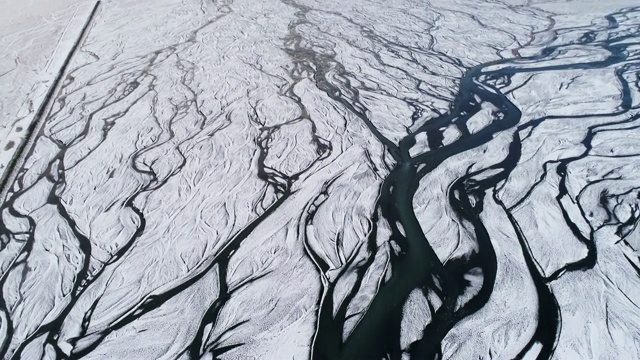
{"x":302,"y":179}
{"x":36,"y":38}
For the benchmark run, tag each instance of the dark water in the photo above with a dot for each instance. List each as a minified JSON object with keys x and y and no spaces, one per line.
{"x":416,"y":265}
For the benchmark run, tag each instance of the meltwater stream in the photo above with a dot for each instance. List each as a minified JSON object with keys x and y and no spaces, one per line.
{"x":415,"y":264}
{"x":289,"y":180}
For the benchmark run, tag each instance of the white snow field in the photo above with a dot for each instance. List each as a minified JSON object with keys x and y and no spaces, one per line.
{"x":320,"y":179}
{"x":36,"y":38}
